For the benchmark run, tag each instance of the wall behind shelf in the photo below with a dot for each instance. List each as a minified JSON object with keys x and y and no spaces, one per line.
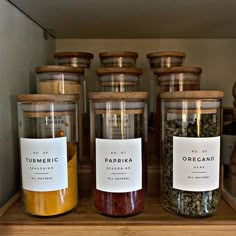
{"x":215,"y":56}
{"x":22,"y":47}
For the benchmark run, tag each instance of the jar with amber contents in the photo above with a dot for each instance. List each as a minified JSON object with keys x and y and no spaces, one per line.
{"x":118,"y":59}
{"x":118,"y":148}
{"x":59,"y":80}
{"x":48,"y":144}
{"x":118,"y":79}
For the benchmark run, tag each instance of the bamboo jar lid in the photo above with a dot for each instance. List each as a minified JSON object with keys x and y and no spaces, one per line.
{"x":178,"y":69}
{"x":202,"y":94}
{"x":47,"y":98}
{"x":103,"y":55}
{"x":119,"y":70}
{"x":166,"y":54}
{"x":59,"y":69}
{"x":234,"y":92}
{"x":128,"y":96}
{"x":73,"y":54}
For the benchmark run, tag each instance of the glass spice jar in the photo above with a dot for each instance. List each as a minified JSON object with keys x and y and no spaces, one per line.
{"x":178,"y":78}
{"x":166,"y":59}
{"x":190,"y":162}
{"x":80,"y":60}
{"x":118,"y":59}
{"x":73,"y":59}
{"x":59,"y":80}
{"x":118,"y":149}
{"x":48,"y":144}
{"x":118,"y":79}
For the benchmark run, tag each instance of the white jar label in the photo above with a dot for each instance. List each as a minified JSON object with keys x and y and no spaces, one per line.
{"x":228,"y":142}
{"x":44,"y":164}
{"x":118,"y":165}
{"x":196,"y":163}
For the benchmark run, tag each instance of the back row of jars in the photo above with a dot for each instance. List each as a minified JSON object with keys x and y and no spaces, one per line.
{"x":118,"y":73}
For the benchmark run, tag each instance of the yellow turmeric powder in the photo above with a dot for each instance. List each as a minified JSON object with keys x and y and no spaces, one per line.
{"x":60,"y":201}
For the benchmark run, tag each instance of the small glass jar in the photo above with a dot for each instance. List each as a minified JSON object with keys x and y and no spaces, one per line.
{"x":118,"y":141}
{"x":118,"y":79}
{"x":166,"y":59}
{"x":73,"y":59}
{"x":118,"y":59}
{"x":59,"y":80}
{"x":190,"y":161}
{"x":178,"y":78}
{"x":48,"y":144}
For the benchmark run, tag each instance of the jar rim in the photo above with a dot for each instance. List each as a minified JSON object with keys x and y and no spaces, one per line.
{"x":59,"y":69}
{"x":177,"y":69}
{"x":129,"y":96}
{"x":73,"y":54}
{"x":202,"y":94}
{"x":119,"y":70}
{"x":118,"y":54}
{"x":166,"y":54}
{"x":47,"y":98}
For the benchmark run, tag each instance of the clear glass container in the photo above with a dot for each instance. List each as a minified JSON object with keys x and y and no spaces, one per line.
{"x":118,"y":149}
{"x":48,"y":144}
{"x":73,"y":59}
{"x":118,"y":79}
{"x":166,"y":59}
{"x":178,"y":78}
{"x":81,"y":60}
{"x":118,"y":59}
{"x":190,"y":161}
{"x":59,"y":80}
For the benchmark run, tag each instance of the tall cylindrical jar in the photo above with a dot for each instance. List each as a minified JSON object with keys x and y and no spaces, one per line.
{"x":161,"y":59}
{"x":81,"y":60}
{"x":118,"y":59}
{"x":118,"y":147}
{"x":78,"y":60}
{"x":174,"y":79}
{"x":190,"y":162}
{"x":118,"y":79}
{"x":48,"y":144}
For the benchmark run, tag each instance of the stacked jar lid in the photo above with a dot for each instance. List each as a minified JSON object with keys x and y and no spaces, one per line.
{"x":118,"y":72}
{"x":171,"y":74}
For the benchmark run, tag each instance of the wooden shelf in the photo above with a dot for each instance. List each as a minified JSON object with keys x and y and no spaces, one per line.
{"x":85,"y":221}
